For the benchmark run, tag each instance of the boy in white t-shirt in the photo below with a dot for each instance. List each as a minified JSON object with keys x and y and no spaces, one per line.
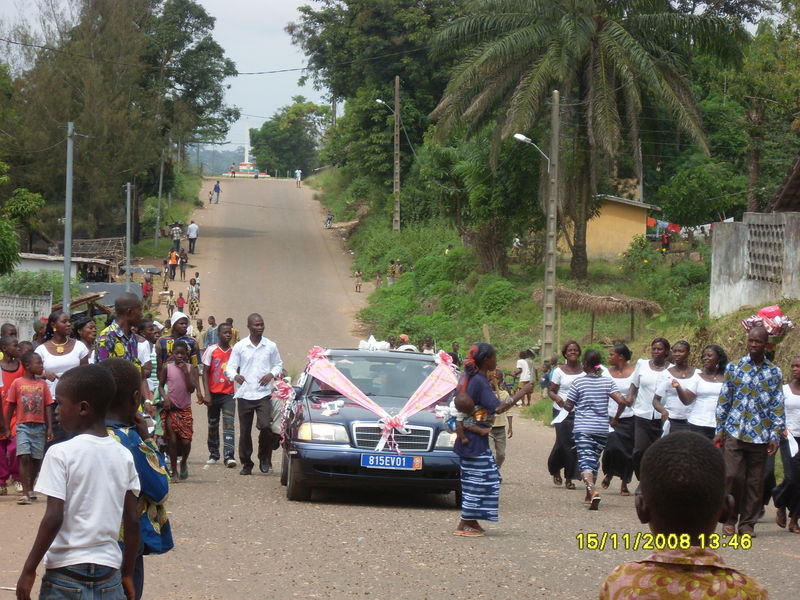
{"x":91,"y":486}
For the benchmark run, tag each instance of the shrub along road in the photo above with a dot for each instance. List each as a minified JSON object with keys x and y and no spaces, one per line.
{"x":263,"y":249}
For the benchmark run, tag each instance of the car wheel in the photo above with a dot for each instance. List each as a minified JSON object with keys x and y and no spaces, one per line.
{"x":458,"y":497}
{"x":294,"y":490}
{"x":284,"y":468}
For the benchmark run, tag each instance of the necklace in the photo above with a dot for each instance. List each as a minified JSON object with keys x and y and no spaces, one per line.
{"x":59,"y":347}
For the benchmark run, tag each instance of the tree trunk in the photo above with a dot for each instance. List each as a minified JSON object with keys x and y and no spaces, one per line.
{"x":753,"y":172}
{"x":579,"y":265}
{"x":489,"y":243}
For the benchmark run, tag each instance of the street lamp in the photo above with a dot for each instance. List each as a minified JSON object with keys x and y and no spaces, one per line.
{"x":549,"y":308}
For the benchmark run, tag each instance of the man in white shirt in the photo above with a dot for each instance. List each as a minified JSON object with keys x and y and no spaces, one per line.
{"x":191,"y":234}
{"x":254,"y":364}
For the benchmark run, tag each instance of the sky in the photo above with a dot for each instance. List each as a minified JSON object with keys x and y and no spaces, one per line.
{"x":252,"y":34}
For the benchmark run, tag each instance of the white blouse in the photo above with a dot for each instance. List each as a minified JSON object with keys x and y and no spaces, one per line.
{"x":704,"y":407}
{"x":623,"y":387}
{"x":61,"y":363}
{"x":646,"y":380}
{"x":564,"y":382}
{"x":792,"y":405}
{"x":669,"y":397}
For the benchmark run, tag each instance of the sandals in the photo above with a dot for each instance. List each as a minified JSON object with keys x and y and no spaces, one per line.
{"x":184,"y":472}
{"x":606,"y":482}
{"x":469,"y":532}
{"x":624,"y":491}
{"x":557,"y":480}
{"x":569,"y":485}
{"x":794,"y":527}
{"x":24,"y":501}
{"x":595,"y":503}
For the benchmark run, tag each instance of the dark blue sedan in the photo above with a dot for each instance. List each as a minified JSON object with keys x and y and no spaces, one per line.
{"x":332,"y":442}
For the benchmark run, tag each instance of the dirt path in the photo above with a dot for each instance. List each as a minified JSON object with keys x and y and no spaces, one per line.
{"x":263,"y":249}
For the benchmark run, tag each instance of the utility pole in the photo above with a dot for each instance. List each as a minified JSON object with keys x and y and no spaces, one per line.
{"x":396,"y":216}
{"x":128,"y":275}
{"x":158,"y":204}
{"x":549,"y":312}
{"x":66,"y":292}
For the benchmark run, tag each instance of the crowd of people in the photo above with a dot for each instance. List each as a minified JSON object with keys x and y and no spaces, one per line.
{"x":101,"y":424}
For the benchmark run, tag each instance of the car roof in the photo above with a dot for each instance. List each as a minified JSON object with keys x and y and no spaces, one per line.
{"x":391,"y":354}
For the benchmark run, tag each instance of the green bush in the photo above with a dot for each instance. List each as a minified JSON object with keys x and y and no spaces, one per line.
{"x":689,"y":273}
{"x":498,"y":296}
{"x":36,"y":283}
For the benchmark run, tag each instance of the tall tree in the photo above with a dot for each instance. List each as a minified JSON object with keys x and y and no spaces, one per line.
{"x":609,"y":59}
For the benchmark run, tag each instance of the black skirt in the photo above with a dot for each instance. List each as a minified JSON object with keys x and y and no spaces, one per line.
{"x":564,"y":455}
{"x":618,"y":455}
{"x":787,"y":494}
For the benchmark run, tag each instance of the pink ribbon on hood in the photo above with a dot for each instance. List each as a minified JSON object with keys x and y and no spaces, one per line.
{"x":436,"y":385}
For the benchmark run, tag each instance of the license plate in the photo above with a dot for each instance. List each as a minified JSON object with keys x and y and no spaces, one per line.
{"x":391,"y":461}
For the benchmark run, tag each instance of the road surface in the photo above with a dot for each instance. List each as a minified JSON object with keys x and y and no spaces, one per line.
{"x":263,"y":249}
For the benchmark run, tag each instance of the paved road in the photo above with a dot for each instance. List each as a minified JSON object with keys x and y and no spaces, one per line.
{"x":238,"y":537}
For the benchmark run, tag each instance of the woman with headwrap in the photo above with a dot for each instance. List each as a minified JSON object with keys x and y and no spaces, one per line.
{"x":480,"y":479}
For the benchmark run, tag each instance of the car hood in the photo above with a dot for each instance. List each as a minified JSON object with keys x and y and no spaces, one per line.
{"x":323,"y":409}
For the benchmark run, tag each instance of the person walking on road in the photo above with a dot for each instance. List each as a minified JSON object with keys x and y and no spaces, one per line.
{"x":254,"y":364}
{"x":298,"y":175}
{"x":191,"y":234}
{"x":217,"y":190}
{"x":750,"y":421}
{"x":176,"y":231}
{"x":219,"y":398}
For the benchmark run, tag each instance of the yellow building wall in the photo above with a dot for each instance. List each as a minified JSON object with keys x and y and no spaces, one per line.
{"x":609,"y":233}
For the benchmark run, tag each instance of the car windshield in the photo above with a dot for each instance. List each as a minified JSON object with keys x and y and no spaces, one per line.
{"x":389,"y":377}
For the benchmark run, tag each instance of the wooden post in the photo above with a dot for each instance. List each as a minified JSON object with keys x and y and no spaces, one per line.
{"x":558,"y":332}
{"x":641,"y":325}
{"x":591,"y":331}
{"x":633,"y":322}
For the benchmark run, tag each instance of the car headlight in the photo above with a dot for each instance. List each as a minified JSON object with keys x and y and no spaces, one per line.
{"x":446,"y":440}
{"x":323,"y":432}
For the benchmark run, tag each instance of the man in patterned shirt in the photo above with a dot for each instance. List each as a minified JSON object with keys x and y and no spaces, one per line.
{"x":117,"y":340}
{"x":750,"y":419}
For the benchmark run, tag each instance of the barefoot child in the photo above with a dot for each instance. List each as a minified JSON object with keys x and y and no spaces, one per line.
{"x":126,"y":426}
{"x":358,"y":275}
{"x":11,"y":369}
{"x":181,"y":380}
{"x":30,"y":399}
{"x":91,"y":487}
{"x":682,"y":495}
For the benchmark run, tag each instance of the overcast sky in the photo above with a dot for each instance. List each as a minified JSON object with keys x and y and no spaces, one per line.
{"x":252,"y":34}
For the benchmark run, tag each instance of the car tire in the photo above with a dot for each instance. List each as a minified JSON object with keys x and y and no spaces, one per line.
{"x":284,"y":468}
{"x":458,"y":497}
{"x":295,"y":491}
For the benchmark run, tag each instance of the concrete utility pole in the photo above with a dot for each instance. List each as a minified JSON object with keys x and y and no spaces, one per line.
{"x":549,"y":309}
{"x":396,"y":216}
{"x":128,"y":275}
{"x":66,"y":292}
{"x":158,"y":204}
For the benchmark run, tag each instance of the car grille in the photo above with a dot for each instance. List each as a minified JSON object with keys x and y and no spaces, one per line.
{"x":367,"y":436}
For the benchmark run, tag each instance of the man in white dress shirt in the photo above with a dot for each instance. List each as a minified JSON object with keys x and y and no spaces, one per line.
{"x":191,"y":234}
{"x":254,"y":364}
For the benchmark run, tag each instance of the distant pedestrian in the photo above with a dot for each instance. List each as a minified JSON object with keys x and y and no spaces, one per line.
{"x":193,"y":292}
{"x":234,"y":332}
{"x":217,"y":190}
{"x":455,"y":355}
{"x":171,"y":304}
{"x":180,"y":302}
{"x":378,"y":279}
{"x":176,"y":231}
{"x":233,"y":170}
{"x":298,"y":174}
{"x":358,"y":280}
{"x":191,"y":234}
{"x":183,"y":261}
{"x":177,"y":380}
{"x":197,"y":282}
{"x":390,"y":274}
{"x":211,"y":334}
{"x":173,"y":263}
{"x":210,"y":196}
{"x":664,"y":241}
{"x":523,"y":371}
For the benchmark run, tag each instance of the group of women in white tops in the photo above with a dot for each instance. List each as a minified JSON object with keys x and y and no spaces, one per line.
{"x":648,"y":399}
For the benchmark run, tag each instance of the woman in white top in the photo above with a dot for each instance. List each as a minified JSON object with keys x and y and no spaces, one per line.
{"x":60,"y":353}
{"x":671,"y":400}
{"x":618,"y":455}
{"x":85,"y":330}
{"x":787,"y":495}
{"x":646,"y":421}
{"x":703,"y":392}
{"x":563,"y":455}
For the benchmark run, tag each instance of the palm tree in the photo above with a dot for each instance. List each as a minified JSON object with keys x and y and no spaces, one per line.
{"x":609,"y":58}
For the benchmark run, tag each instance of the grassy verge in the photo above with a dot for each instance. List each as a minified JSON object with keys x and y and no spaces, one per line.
{"x":185,"y":200}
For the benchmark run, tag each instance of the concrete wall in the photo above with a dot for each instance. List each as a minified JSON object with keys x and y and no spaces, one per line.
{"x":746,"y":259}
{"x":36,"y":264}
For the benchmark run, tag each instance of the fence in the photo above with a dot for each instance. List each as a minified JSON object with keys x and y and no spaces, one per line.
{"x":21,"y":311}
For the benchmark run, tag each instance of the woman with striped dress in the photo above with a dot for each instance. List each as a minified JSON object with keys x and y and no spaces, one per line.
{"x":563,"y":455}
{"x":480,"y":479}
